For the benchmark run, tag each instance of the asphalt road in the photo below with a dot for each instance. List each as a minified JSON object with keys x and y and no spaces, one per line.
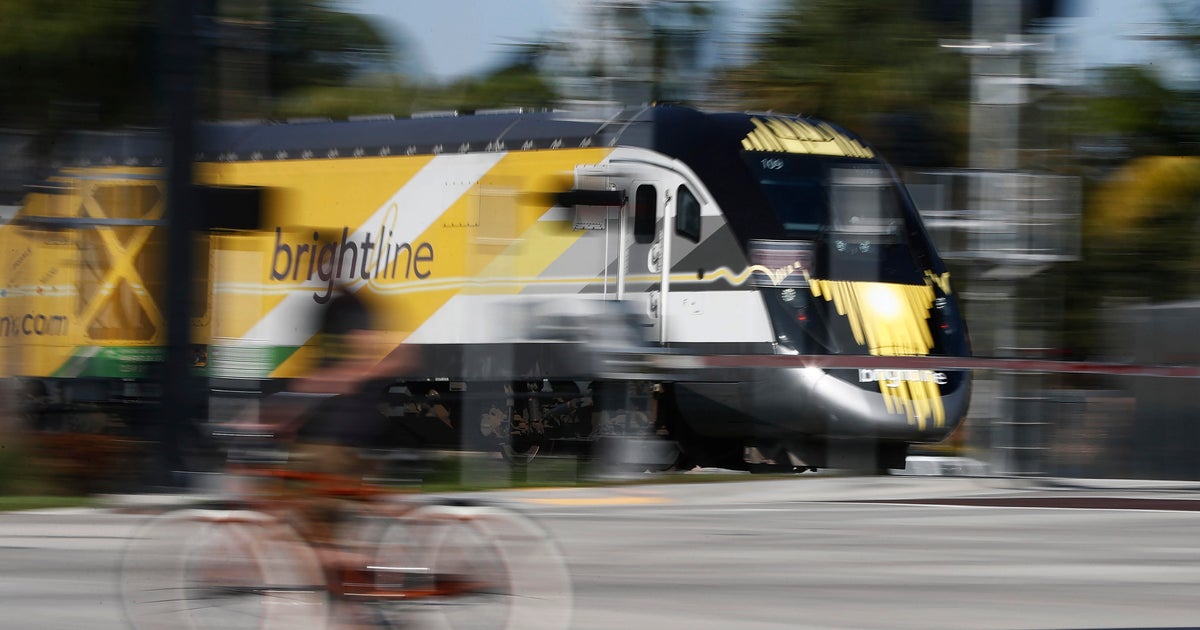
{"x":809,"y":552}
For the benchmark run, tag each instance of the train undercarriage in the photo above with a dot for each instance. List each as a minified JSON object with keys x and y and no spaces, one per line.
{"x":635,"y":423}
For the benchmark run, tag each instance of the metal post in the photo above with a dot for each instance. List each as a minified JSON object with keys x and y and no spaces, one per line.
{"x":179,"y":77}
{"x":996,"y":93}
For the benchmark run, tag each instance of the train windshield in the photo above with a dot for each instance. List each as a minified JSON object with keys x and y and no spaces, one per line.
{"x":814,"y":195}
{"x":845,"y":219}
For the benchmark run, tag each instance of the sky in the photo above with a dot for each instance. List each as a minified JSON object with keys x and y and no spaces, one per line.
{"x":1109,"y":32}
{"x":455,"y":38}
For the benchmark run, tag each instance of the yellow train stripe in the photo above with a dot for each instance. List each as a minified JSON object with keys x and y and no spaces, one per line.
{"x":891,"y":320}
{"x":786,"y":135}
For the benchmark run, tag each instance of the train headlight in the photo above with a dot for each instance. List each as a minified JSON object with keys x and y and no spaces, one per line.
{"x":883,"y":301}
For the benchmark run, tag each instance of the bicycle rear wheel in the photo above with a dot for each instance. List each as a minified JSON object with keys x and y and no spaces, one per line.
{"x":214,"y":569}
{"x":479,"y":567}
{"x":541,"y":596}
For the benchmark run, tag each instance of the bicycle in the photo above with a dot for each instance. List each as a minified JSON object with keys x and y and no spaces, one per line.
{"x":399,"y":562}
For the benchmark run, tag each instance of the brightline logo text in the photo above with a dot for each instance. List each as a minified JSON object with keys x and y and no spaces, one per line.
{"x":381,"y":259}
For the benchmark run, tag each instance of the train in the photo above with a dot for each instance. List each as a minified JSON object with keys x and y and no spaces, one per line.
{"x":521,"y":255}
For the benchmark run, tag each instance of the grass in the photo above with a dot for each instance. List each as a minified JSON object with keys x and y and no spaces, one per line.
{"x":17,"y":502}
{"x":477,"y":472}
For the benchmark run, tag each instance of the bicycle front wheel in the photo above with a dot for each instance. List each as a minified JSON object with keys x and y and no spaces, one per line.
{"x":205,"y":569}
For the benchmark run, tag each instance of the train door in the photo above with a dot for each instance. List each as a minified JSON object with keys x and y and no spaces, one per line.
{"x":624,"y":210}
{"x":650,"y":218}
{"x":641,"y":257}
{"x":662,"y":225}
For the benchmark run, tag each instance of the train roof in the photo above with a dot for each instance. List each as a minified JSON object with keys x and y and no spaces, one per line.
{"x":412,"y":136}
{"x":712,"y":145}
{"x":678,"y":131}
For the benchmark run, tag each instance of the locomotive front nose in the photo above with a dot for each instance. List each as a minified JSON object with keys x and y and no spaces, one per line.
{"x":915,"y":405}
{"x":899,"y":324}
{"x":896,"y":324}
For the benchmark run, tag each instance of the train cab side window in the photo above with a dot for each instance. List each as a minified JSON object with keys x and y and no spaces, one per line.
{"x":687,"y":215}
{"x":645,"y":212}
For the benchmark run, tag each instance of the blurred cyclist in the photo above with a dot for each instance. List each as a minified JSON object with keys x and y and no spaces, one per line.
{"x":333,"y":413}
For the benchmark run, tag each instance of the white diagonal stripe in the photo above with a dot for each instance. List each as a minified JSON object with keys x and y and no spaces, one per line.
{"x":419,"y":203}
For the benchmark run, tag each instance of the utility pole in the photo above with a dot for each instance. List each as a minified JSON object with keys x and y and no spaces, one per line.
{"x":998,"y":91}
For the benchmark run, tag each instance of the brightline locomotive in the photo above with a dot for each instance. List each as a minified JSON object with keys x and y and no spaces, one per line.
{"x":489,"y":243}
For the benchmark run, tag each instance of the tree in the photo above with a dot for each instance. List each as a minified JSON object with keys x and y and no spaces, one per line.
{"x":1142,"y":229}
{"x":636,"y":51}
{"x":1141,"y":238}
{"x":95,"y":64}
{"x":516,"y":83}
{"x":74,"y":63}
{"x":313,"y":44}
{"x":868,"y":65}
{"x":1133,"y":105}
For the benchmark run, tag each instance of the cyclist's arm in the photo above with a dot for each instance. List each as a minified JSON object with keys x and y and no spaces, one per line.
{"x":279,"y":415}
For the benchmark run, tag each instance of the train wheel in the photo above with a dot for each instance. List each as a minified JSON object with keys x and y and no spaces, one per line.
{"x":561,"y":411}
{"x":488,"y":417}
{"x":526,"y":429}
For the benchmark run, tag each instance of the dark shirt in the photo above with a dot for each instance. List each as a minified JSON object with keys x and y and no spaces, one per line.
{"x":342,"y":419}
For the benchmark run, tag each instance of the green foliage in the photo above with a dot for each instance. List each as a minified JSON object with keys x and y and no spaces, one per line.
{"x":312,"y":44}
{"x":97,"y":63}
{"x":36,"y":502}
{"x":50,"y":27}
{"x":513,"y":86}
{"x":19,"y":474}
{"x":366,"y":97}
{"x":1142,"y":227}
{"x":1133,"y":104}
{"x":1140,"y":244}
{"x":855,"y":62}
{"x":73,"y":63}
{"x":336,"y":65}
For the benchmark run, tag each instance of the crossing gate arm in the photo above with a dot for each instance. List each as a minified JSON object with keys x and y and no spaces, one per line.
{"x":718,"y":367}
